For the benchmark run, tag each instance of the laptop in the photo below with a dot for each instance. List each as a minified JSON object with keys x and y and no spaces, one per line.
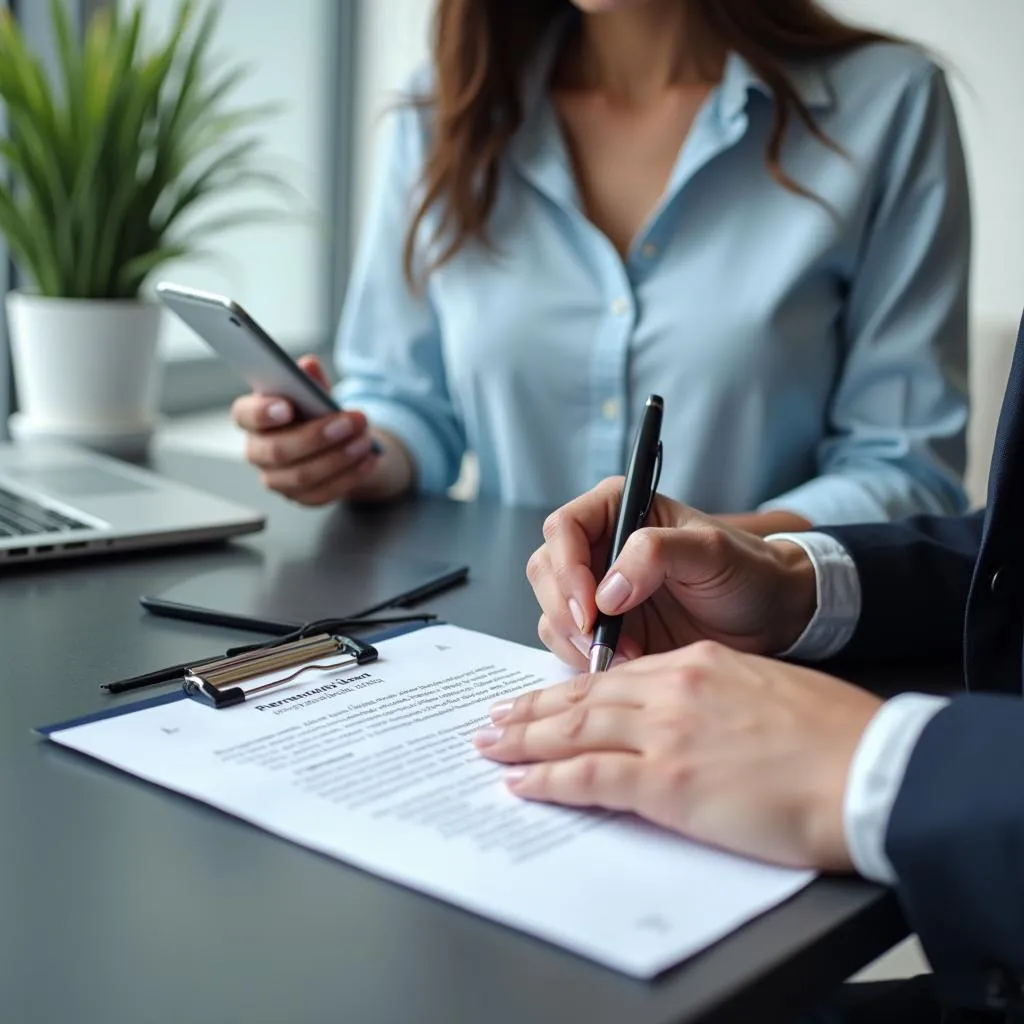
{"x":57,"y":502}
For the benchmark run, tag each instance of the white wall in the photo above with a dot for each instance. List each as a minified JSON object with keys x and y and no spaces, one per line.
{"x":393,"y":36}
{"x":277,"y":269}
{"x":978,"y":41}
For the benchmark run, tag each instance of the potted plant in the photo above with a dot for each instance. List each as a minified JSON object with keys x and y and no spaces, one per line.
{"x":103,"y":171}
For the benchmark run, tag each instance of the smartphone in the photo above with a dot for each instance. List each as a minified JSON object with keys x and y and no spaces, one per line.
{"x":245,"y":346}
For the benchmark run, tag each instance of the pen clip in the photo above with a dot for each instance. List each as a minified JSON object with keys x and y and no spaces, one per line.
{"x":654,"y":485}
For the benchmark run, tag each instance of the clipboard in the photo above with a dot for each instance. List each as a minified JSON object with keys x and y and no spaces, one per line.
{"x":233,"y":679}
{"x":355,"y":649}
{"x":325,"y":777}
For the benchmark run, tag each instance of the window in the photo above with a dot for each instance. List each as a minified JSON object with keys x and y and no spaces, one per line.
{"x":289,"y":273}
{"x":33,"y":17}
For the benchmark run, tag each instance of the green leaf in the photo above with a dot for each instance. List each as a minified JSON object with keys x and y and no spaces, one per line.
{"x":13,"y":225}
{"x":192,"y":70}
{"x":34,"y":164}
{"x":215,"y":225}
{"x":28,"y":84}
{"x":207,"y":180}
{"x":68,"y":129}
{"x":131,"y":276}
{"x":18,"y":224}
{"x":127,"y":141}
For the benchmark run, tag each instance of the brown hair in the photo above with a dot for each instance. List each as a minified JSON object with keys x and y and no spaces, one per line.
{"x":481,"y":47}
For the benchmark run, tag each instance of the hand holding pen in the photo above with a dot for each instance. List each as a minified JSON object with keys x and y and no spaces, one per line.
{"x":683,"y":576}
{"x":583,"y":539}
{"x":637,"y":494}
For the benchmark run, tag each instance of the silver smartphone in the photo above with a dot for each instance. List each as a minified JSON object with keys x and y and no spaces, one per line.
{"x":247,"y":348}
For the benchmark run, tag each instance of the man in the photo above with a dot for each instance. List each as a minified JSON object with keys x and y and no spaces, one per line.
{"x":775,"y":760}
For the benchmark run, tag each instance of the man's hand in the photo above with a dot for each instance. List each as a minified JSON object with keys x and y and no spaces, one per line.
{"x":730,"y":749}
{"x":683,"y":577}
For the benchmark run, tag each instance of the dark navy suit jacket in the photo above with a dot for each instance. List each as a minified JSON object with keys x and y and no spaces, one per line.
{"x":936,"y":586}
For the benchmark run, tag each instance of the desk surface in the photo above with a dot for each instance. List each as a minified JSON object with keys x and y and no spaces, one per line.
{"x":120,"y":901}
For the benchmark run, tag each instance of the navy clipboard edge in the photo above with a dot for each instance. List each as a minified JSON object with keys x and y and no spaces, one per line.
{"x":179,"y":694}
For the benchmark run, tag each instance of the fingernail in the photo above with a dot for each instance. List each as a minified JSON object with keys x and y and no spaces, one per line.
{"x":581,"y":643}
{"x":279,"y":412}
{"x":487,"y":736}
{"x":501,"y":710}
{"x":577,"y":614}
{"x":359,"y":447}
{"x":514,"y":775}
{"x":614,"y":592}
{"x":338,"y":430}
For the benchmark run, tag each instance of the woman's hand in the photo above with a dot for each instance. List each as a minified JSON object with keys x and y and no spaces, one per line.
{"x":321,"y":460}
{"x":683,"y":577}
{"x":731,"y":749}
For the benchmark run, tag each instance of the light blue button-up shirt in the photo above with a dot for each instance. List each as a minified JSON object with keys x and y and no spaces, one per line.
{"x":810,"y":359}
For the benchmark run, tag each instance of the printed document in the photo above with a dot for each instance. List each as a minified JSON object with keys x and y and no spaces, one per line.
{"x":374,"y":765}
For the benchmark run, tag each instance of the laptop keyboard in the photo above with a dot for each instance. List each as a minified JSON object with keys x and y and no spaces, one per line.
{"x":22,"y":517}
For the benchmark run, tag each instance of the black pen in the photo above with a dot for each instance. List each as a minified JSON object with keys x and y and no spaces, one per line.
{"x":161,"y":675}
{"x":637,"y":494}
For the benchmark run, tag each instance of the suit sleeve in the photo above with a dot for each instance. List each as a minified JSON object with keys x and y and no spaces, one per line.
{"x":955,"y":839}
{"x":914,"y":579}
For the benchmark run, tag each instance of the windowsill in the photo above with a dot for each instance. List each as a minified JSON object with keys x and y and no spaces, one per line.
{"x":203,"y":433}
{"x":185,"y":346}
{"x":195,"y":385}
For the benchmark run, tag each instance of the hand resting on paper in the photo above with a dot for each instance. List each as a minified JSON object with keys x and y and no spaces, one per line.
{"x":731,"y":749}
{"x":683,"y":577}
{"x":321,"y":460}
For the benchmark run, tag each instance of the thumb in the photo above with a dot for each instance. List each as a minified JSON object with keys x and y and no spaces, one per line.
{"x":314,"y":368}
{"x":690,"y":555}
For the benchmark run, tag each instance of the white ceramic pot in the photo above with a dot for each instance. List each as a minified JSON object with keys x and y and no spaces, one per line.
{"x":86,"y":370}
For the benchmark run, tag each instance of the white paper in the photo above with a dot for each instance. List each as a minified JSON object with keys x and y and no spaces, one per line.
{"x":374,"y":765}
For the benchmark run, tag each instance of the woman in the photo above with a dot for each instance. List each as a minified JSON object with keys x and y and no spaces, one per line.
{"x":751,"y":208}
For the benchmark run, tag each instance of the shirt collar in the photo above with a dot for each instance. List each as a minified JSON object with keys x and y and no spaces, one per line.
{"x":739,"y":79}
{"x":537,"y":147}
{"x":537,"y":75}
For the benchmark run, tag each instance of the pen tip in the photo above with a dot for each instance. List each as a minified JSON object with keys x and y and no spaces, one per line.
{"x":656,"y":400}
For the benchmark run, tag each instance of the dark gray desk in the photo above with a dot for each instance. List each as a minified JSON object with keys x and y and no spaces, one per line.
{"x":121,"y":902}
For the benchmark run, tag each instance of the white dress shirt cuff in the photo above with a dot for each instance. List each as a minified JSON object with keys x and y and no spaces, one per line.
{"x":876,"y":774}
{"x":838,"y":592}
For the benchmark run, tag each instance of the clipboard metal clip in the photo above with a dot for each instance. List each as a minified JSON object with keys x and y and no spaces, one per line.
{"x":232,"y":680}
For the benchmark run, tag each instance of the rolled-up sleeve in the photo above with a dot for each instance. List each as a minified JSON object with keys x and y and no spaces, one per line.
{"x":388,"y":354}
{"x":895,"y":442}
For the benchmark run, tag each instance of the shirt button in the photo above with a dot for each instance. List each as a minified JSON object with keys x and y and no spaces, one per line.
{"x":620,"y":307}
{"x":649,"y":251}
{"x":1001,"y":582}
{"x":610,"y":408}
